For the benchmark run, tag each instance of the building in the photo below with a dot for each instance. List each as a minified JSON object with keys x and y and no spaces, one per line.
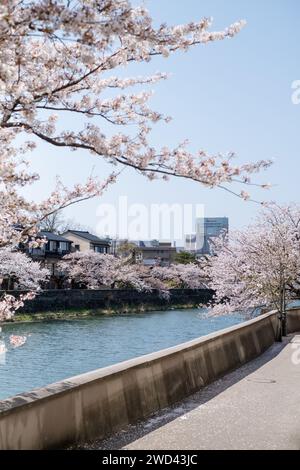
{"x":50,"y":254}
{"x":85,"y":241}
{"x":191,"y":243}
{"x":151,"y":253}
{"x":207,"y":229}
{"x":121,"y":247}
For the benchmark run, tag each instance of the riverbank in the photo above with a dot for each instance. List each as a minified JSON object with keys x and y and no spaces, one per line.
{"x":72,"y":314}
{"x":73,"y":303}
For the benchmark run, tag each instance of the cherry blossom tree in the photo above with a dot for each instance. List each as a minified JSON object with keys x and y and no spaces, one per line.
{"x":185,"y":276}
{"x":259,"y":266}
{"x":60,"y":58}
{"x":19,"y":271}
{"x":19,"y":218}
{"x":64,"y":58}
{"x":96,"y":270}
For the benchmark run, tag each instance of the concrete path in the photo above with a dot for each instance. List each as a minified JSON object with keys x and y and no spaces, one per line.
{"x":254,"y":407}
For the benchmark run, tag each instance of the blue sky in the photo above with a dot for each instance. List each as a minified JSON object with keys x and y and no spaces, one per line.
{"x":231,"y":95}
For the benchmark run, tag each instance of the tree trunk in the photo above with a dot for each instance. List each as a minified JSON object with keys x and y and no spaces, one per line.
{"x":282,"y":313}
{"x":284,"y":324}
{"x":279,"y":331}
{"x":284,"y":317}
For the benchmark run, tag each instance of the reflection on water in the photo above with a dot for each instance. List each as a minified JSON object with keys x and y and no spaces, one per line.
{"x":2,"y":353}
{"x":56,"y":350}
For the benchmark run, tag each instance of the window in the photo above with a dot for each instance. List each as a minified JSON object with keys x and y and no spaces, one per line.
{"x":99,"y":249}
{"x":63,"y":246}
{"x":77,"y":247}
{"x":52,"y":246}
{"x":212,"y":231}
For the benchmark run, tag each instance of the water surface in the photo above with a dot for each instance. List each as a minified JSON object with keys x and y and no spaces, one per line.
{"x":56,"y":350}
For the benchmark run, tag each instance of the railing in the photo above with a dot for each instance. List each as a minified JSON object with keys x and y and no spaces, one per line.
{"x":45,"y":252}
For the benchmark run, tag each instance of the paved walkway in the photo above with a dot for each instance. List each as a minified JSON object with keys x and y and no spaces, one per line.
{"x":255,"y":407}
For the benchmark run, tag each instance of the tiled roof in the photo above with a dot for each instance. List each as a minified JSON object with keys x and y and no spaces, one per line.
{"x":52,"y":236}
{"x":89,"y":236}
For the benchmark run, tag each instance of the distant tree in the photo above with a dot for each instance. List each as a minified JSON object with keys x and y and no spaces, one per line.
{"x":57,"y":223}
{"x":127,"y":250}
{"x":52,"y":222}
{"x":185,"y":276}
{"x":185,"y":257}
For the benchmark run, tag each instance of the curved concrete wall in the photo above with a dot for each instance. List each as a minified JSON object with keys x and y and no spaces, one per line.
{"x":101,"y":402}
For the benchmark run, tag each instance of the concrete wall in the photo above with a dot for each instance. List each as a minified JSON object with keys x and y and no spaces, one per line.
{"x":293,"y":322}
{"x":104,"y":401}
{"x":60,"y":299}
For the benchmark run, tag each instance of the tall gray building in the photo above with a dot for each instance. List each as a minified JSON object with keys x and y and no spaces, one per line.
{"x":207,"y":229}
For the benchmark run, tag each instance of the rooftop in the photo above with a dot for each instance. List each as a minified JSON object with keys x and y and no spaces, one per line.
{"x":53,"y":237}
{"x":152,"y":244}
{"x":88,"y":236}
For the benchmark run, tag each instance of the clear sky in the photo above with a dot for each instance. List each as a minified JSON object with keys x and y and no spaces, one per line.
{"x":231,"y":95}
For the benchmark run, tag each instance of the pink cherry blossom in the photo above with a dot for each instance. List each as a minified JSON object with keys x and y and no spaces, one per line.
{"x":96,"y":270}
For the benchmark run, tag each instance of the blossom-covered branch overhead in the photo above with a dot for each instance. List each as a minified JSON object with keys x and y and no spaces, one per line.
{"x":64,"y":57}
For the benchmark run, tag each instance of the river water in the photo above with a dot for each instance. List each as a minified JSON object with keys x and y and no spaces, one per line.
{"x":56,"y":350}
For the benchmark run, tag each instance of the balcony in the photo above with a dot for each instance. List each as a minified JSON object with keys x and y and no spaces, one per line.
{"x":45,"y":253}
